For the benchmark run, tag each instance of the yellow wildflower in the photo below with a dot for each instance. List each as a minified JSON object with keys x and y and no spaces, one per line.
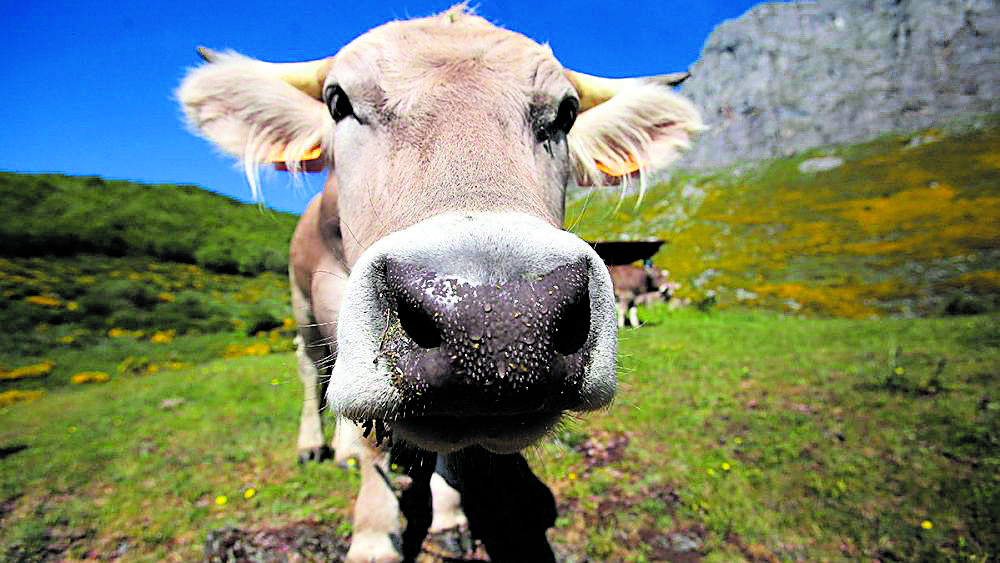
{"x":166,"y":297}
{"x":726,"y":466}
{"x":221,"y":500}
{"x":571,"y":476}
{"x":258,"y":349}
{"x":927,"y":524}
{"x":710,"y":472}
{"x":249,"y":493}
{"x":117,"y":332}
{"x":72,"y":306}
{"x":163,"y":336}
{"x":288,"y":324}
{"x":43,"y":300}
{"x":89,"y":377}
{"x":899,"y":370}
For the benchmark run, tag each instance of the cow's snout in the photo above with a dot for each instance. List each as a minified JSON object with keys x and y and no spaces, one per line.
{"x":490,"y":349}
{"x":475,"y":329}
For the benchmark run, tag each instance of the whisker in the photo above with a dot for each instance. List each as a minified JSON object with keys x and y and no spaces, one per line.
{"x":340,"y":275}
{"x":579,"y":217}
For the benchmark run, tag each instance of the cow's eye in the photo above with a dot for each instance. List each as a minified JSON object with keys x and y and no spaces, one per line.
{"x":562,"y":123}
{"x":338,"y":102}
{"x":566,"y":115}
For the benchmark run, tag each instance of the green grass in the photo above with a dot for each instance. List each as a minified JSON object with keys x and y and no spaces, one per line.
{"x":114,"y":465}
{"x":754,"y":435}
{"x":800,"y":438}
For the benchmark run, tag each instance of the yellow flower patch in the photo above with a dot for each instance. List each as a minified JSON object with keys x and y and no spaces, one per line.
{"x":35,"y":370}
{"x":89,"y":377}
{"x":44,"y":301}
{"x":163,"y":336}
{"x":8,"y":398}
{"x":256,"y":349}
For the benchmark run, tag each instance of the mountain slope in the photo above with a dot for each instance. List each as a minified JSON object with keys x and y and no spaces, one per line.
{"x":904,"y":224}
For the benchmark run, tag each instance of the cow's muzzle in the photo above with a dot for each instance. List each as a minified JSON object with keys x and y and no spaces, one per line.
{"x":478,"y":330}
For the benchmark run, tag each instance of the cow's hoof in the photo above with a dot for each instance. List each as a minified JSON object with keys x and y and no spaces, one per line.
{"x":454,"y":544}
{"x":317,"y":454}
{"x":374,"y":548}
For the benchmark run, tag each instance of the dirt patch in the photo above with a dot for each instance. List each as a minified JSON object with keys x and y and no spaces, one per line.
{"x":310,"y":541}
{"x":304,"y":541}
{"x":603,"y":448}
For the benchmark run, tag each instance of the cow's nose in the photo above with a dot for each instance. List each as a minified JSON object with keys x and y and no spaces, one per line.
{"x":509,"y":346}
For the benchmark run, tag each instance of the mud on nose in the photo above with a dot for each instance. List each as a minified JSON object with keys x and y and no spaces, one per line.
{"x":505,"y":347}
{"x":475,"y":328}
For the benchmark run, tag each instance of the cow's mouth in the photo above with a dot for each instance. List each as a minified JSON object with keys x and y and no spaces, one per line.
{"x":497,"y":433}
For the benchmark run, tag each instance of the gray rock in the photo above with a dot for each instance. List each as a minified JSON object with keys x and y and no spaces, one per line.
{"x":785,"y":77}
{"x":682,"y":542}
{"x":820,"y":164}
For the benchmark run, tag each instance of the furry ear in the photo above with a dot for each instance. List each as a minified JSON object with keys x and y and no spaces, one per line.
{"x":250,"y":111}
{"x":643,"y":127}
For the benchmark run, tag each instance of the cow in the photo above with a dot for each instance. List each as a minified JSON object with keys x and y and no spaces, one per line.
{"x":441,"y":307}
{"x":636,"y":286}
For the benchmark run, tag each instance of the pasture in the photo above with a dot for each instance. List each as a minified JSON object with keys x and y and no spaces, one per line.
{"x":735,"y":435}
{"x":818,"y":408}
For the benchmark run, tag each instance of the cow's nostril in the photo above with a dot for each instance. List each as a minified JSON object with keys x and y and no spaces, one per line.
{"x":418,"y":324}
{"x":573,"y":326}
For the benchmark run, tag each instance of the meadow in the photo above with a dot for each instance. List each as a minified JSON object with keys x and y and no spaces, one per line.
{"x":833,"y":397}
{"x":735,"y":436}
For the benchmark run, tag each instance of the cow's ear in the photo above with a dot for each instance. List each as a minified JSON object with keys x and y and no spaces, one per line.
{"x":255,"y":111}
{"x":640,"y":127}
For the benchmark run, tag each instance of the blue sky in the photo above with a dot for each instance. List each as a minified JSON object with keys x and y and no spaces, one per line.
{"x":88,"y":86}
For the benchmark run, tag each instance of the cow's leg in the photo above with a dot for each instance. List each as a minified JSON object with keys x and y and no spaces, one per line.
{"x":621,"y":314}
{"x":415,"y":499}
{"x":447,"y":502}
{"x":384,"y":503}
{"x":377,"y":527}
{"x":508,"y":507}
{"x":633,"y":315}
{"x":348,"y":442}
{"x":310,"y":352}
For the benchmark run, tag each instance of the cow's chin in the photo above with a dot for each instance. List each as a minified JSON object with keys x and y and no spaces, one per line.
{"x":501,"y":434}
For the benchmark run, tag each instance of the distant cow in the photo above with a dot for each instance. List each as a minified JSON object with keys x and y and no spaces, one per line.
{"x":432,"y":273}
{"x":635,"y":286}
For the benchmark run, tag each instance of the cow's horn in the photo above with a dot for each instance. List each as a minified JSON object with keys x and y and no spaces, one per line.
{"x":595,"y":90}
{"x":306,"y":76}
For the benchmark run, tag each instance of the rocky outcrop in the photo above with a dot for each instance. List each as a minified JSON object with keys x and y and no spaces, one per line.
{"x":785,"y":77}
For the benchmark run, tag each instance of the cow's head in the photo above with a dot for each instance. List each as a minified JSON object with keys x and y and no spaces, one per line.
{"x":470,"y":316}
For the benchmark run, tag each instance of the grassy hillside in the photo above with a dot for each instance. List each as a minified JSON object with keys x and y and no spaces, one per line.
{"x":734,"y":437}
{"x":48,"y":214}
{"x":906,"y":225}
{"x":109,"y":279}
